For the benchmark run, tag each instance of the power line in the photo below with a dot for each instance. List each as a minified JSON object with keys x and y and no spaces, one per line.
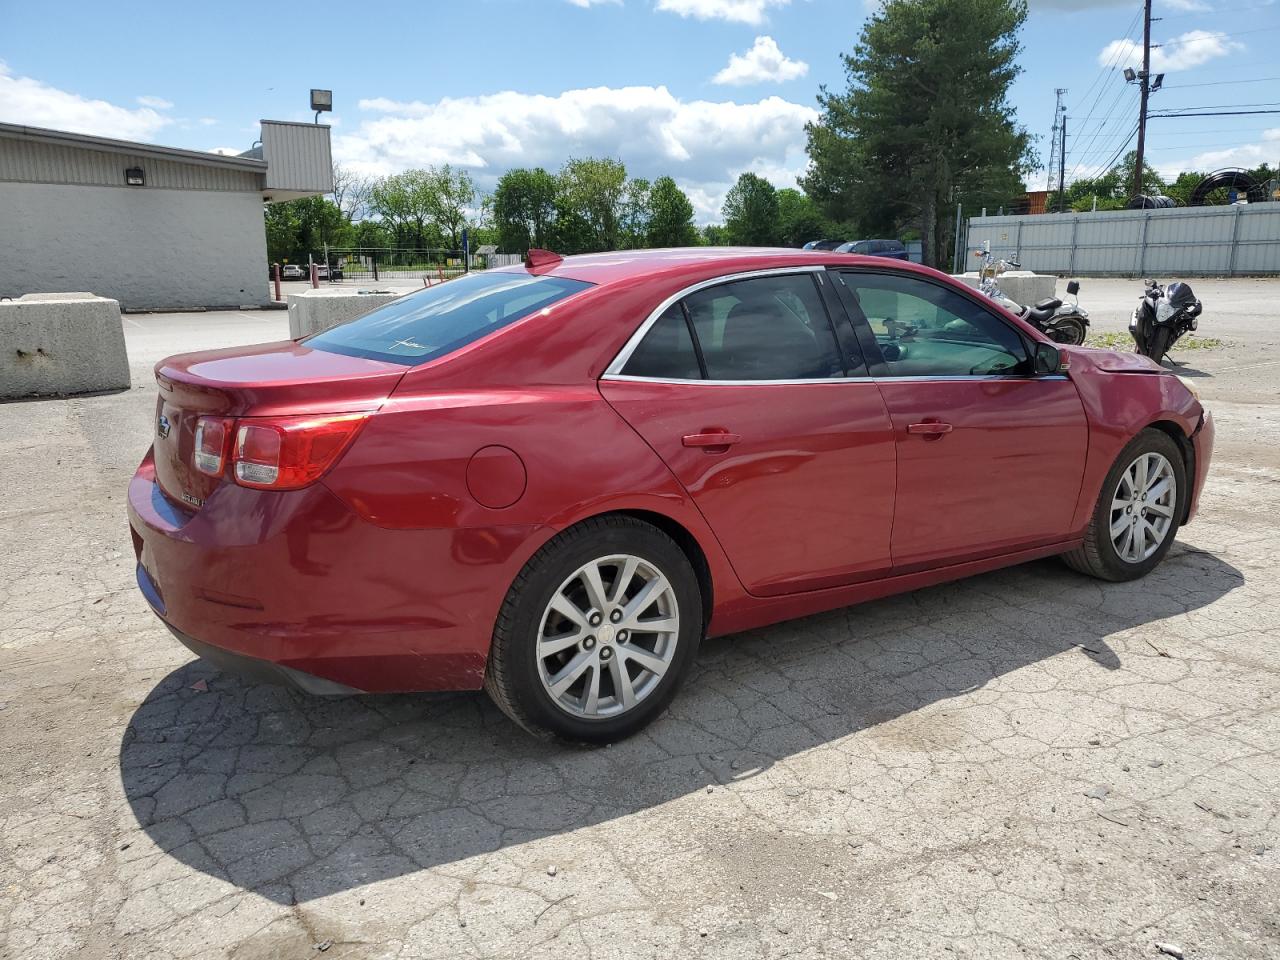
{"x":1212,"y":36}
{"x":1110,"y":65}
{"x":1087,"y":148}
{"x":1095,"y":170}
{"x":1220,"y":113}
{"x":1224,"y":106}
{"x":1215,"y":83}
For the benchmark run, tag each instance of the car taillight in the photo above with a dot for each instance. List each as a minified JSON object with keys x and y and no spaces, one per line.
{"x":285,"y":453}
{"x":212,"y":437}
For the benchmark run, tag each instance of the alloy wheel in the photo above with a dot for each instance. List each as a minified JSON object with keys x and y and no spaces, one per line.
{"x":607,"y":636}
{"x":1142,"y":507}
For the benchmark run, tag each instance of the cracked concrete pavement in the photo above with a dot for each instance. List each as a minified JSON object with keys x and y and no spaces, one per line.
{"x":1025,"y":764}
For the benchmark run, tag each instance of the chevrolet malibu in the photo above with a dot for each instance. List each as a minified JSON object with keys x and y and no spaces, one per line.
{"x":553,"y":480}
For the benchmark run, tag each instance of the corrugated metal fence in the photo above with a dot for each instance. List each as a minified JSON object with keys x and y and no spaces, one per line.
{"x":1241,"y":240}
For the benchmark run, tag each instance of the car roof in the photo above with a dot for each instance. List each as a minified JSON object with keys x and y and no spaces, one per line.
{"x":605,"y":268}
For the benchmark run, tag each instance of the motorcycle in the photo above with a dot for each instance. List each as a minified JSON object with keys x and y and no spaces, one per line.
{"x":1063,"y":323}
{"x":1162,"y":316}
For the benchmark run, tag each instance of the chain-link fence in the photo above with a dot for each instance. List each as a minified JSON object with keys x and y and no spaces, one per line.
{"x":392,"y":263}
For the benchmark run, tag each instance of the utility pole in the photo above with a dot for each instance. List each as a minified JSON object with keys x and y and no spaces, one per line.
{"x":1062,"y":169}
{"x":1144,"y":79}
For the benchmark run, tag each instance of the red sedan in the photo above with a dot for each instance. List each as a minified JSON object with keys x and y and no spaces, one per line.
{"x":551,"y":481}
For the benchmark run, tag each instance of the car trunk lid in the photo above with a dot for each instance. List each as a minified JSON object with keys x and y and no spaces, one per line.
{"x":274,"y":379}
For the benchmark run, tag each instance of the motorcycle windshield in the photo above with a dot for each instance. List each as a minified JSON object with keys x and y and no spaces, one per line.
{"x":1165,"y":311}
{"x":1180,"y":295}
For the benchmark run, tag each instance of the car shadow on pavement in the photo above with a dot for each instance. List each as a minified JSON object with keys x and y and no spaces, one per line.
{"x":296,"y":798}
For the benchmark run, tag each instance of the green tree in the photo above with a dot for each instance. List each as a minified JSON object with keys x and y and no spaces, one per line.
{"x":713,"y":235}
{"x":296,"y":228}
{"x":799,"y":219}
{"x":633,"y":223}
{"x":590,"y":197}
{"x":401,"y":200}
{"x":670,"y":216}
{"x":524,"y":209}
{"x":1152,"y":182}
{"x":1183,"y":185}
{"x":371,"y":234}
{"x":448,"y":196}
{"x":751,"y":212}
{"x":925,"y":120}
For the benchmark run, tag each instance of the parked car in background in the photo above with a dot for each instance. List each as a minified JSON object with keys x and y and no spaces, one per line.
{"x":875,"y":248}
{"x":553,"y":480}
{"x":822,"y":244}
{"x":293,"y":271}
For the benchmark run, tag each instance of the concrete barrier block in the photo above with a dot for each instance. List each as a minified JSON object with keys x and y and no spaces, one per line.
{"x":314,"y":310}
{"x":1020,"y":286}
{"x":60,"y":344}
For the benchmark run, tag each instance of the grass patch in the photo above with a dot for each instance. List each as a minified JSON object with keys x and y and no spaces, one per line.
{"x":1124,"y":342}
{"x":1110,"y":341}
{"x":1192,"y":342}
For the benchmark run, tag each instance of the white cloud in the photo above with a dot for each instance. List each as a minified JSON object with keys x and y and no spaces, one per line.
{"x":227,"y":151}
{"x":158,"y":103}
{"x":1245,"y":155}
{"x":764,"y":61}
{"x":1182,"y":52}
{"x":206,"y":121}
{"x":1192,"y":6}
{"x":28,"y":101}
{"x":703,"y":144}
{"x":735,"y":11}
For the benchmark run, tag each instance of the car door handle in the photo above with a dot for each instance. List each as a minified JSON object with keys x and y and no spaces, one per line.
{"x":932,"y":429}
{"x":711,"y":439}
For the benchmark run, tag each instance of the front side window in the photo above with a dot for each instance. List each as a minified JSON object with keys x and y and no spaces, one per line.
{"x":434,"y":322}
{"x":765,"y":328}
{"x":926,"y":330}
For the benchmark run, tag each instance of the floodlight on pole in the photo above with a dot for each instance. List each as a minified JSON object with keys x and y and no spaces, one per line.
{"x":321,"y":102}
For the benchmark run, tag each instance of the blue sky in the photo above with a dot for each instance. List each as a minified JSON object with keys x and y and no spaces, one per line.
{"x":699,"y":89}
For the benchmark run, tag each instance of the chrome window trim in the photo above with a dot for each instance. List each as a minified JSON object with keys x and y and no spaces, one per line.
{"x":955,"y":378}
{"x":614,"y":369}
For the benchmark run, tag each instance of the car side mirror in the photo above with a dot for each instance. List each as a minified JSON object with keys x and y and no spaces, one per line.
{"x":1073,"y":287}
{"x":1046,"y":359}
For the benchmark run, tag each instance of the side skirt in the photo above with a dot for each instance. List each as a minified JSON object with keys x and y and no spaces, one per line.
{"x":747,"y":613}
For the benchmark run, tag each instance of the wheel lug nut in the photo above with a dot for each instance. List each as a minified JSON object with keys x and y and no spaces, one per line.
{"x":622,"y":636}
{"x":615,"y":616}
{"x":589,"y":643}
{"x":595,"y":620}
{"x":606,"y":653}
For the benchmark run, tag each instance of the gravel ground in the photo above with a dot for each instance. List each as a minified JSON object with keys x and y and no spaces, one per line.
{"x":1025,"y":764}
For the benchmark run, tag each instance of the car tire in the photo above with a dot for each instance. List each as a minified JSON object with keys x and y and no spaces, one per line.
{"x":550,"y":603}
{"x":1103,"y":554}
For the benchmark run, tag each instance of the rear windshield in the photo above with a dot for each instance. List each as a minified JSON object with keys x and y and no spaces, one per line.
{"x":443,"y":318}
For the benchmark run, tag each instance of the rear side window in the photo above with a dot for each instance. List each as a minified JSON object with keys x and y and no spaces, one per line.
{"x":434,"y":322}
{"x":667,"y":351}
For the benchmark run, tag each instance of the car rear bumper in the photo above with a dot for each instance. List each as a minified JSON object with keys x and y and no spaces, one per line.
{"x":295,"y":587}
{"x":256,"y":670}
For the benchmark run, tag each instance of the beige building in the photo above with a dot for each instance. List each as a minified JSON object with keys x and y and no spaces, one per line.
{"x":153,"y":227}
